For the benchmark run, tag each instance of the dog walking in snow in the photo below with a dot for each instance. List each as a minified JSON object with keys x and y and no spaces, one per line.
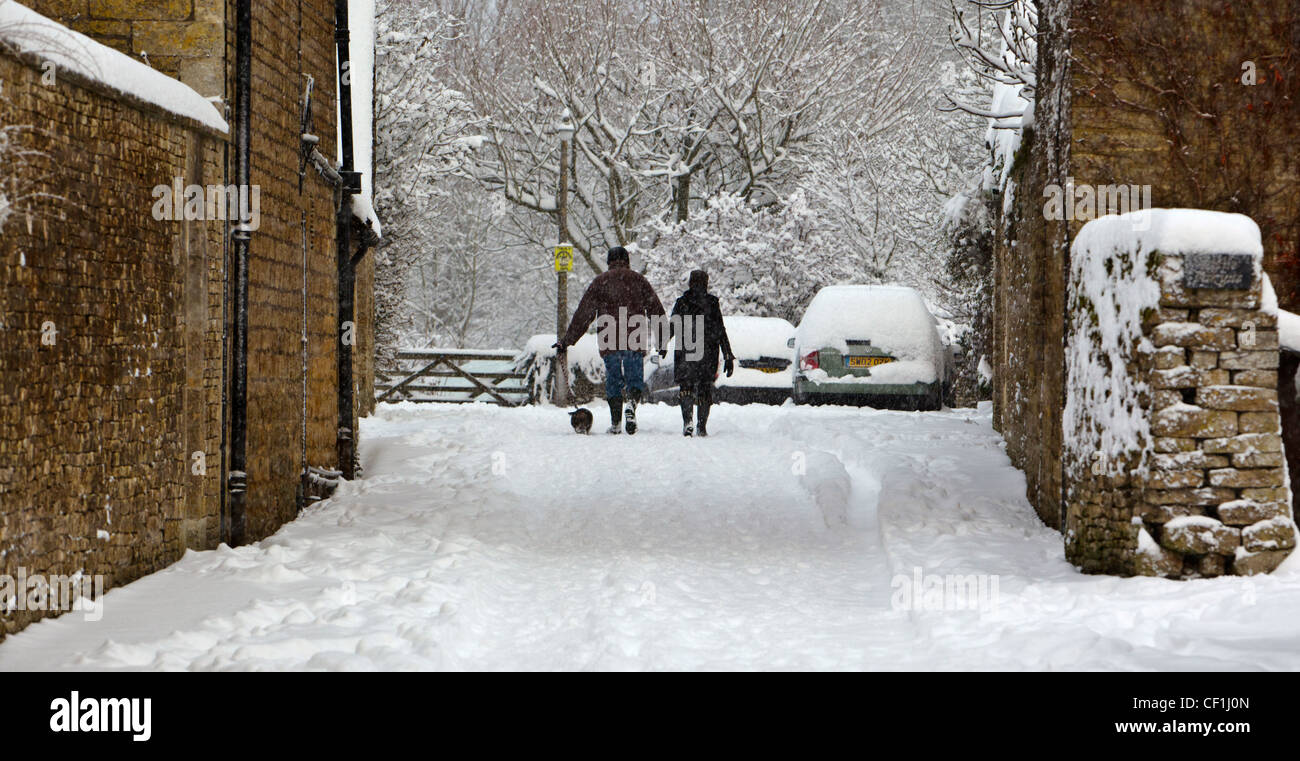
{"x":625,"y":308}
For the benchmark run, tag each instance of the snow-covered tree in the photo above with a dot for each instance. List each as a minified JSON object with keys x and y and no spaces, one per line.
{"x":423,"y":133}
{"x":675,"y":101}
{"x":766,"y":262}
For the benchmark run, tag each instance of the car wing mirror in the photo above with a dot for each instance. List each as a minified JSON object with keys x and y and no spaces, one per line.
{"x":790,"y":343}
{"x":654,"y":359}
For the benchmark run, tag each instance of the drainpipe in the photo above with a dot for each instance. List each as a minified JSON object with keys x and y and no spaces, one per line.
{"x":347,"y":274}
{"x":237,"y":478}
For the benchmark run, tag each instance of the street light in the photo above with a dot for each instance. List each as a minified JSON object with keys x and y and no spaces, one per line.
{"x":563,"y":261}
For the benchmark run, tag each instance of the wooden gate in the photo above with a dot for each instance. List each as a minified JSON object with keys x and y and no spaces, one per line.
{"x":454,"y":376}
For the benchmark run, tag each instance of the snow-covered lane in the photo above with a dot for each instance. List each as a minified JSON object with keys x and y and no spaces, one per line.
{"x":487,"y":538}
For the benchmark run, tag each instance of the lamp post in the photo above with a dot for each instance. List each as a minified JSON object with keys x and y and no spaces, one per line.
{"x":563,"y":264}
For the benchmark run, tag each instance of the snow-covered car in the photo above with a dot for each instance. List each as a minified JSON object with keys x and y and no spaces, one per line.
{"x":764,"y":362}
{"x":870,"y":345}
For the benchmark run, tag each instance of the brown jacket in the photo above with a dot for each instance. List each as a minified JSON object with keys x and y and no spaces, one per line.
{"x":619,"y":286}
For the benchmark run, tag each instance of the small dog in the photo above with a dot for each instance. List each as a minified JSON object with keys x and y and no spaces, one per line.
{"x":581,"y":420}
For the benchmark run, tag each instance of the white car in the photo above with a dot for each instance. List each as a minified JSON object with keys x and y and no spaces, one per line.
{"x":870,"y":345}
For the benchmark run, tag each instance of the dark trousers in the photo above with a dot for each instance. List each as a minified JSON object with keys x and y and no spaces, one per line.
{"x":696,"y":394}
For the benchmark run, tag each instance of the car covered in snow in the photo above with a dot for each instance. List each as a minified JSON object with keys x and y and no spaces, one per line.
{"x":870,"y":345}
{"x":764,"y":362}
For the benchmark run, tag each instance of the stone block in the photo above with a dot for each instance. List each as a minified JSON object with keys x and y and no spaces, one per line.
{"x":1245,"y":563}
{"x":1260,"y":422}
{"x":1248,"y":360}
{"x":1199,"y":535}
{"x":1269,"y":535}
{"x":1241,"y":398}
{"x":1169,"y":357}
{"x":1259,"y":460}
{"x":1174,"y":479}
{"x":1243,"y":444}
{"x":1208,"y":496}
{"x":134,"y":10}
{"x":1193,"y":335}
{"x":1188,"y":460}
{"x":1215,"y":317}
{"x":1267,"y":494}
{"x":179,"y":38}
{"x":1234,"y":478}
{"x":1211,"y":566}
{"x":1160,"y":514}
{"x":1195,"y":422}
{"x":1167,"y":445}
{"x":1257,"y":339}
{"x":1155,"y":560}
{"x":1260,"y":378}
{"x":1244,"y":512}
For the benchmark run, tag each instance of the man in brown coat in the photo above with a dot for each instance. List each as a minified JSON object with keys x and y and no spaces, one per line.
{"x":627,"y":312}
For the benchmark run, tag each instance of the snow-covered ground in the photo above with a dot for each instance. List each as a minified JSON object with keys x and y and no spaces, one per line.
{"x":489,"y":538}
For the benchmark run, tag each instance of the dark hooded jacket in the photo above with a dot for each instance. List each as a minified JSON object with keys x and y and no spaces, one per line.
{"x":618,"y":286}
{"x":697,"y":302}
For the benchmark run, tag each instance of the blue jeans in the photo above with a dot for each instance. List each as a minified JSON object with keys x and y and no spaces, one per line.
{"x":624,"y":370}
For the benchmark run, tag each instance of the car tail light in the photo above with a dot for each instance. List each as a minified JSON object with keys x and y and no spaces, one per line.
{"x":809,"y":362}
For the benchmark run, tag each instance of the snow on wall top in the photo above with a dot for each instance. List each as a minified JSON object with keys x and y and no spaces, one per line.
{"x":361,"y":48}
{"x":1173,"y":231}
{"x":29,"y":32}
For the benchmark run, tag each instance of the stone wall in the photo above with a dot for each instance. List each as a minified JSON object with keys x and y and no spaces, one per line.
{"x":1030,"y":265}
{"x":1206,"y":492}
{"x":110,"y":338}
{"x":184,"y":39}
{"x":293,"y":288}
{"x":1151,"y":94}
{"x":293,"y":276}
{"x":83,"y":439}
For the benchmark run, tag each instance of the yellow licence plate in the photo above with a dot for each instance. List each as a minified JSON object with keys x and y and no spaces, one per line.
{"x":770,"y":370}
{"x":869,"y":361}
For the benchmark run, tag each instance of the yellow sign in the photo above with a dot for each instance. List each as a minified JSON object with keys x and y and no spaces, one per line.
{"x":564,"y":258}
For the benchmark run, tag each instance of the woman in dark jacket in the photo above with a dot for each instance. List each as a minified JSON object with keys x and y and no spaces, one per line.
{"x":695,"y":360}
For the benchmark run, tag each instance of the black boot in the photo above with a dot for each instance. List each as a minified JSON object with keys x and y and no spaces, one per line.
{"x":615,"y":415}
{"x":688,"y":414}
{"x":705,"y":398}
{"x":629,"y":414}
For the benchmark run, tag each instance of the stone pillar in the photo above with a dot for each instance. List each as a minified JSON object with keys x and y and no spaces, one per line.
{"x":1205,"y":492}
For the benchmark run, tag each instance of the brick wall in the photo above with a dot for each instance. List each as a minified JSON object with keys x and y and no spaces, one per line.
{"x":99,"y":422}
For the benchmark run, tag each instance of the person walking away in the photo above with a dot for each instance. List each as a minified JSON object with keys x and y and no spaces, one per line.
{"x":695,"y":360}
{"x":625,"y":308}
